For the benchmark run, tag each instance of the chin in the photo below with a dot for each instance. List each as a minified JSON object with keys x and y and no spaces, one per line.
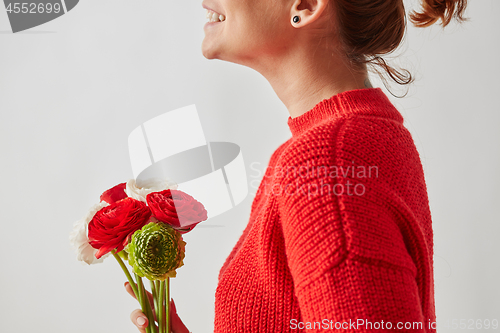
{"x":209,"y":55}
{"x":208,"y":52}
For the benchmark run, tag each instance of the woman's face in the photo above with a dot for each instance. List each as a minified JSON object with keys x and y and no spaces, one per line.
{"x":252,"y":29}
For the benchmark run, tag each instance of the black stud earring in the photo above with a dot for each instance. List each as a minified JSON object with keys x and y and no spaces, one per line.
{"x":296,"y":19}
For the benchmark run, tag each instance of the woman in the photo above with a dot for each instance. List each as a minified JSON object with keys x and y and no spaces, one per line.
{"x":340,"y":234}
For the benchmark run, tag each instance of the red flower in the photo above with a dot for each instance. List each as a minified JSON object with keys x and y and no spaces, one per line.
{"x":114,"y":194}
{"x":110,"y":227}
{"x":176,"y":208}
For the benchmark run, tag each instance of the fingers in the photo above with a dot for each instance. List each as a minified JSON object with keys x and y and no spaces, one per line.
{"x":129,"y":289}
{"x":140,"y":320}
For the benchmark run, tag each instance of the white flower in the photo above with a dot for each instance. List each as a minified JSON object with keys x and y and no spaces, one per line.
{"x":79,"y":237}
{"x":152,"y":185}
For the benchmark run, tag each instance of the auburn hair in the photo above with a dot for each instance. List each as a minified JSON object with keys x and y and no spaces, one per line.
{"x":368,"y":29}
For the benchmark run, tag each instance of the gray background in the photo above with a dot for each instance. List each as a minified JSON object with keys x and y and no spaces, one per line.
{"x":72,"y":90}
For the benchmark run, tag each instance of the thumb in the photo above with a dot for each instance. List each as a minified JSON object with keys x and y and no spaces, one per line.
{"x":176,"y":323}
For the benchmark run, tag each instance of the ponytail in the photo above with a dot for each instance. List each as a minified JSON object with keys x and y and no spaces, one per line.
{"x":432,"y":10}
{"x":369,"y":29}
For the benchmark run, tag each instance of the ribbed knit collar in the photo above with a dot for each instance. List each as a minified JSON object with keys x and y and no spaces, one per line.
{"x":369,"y":101}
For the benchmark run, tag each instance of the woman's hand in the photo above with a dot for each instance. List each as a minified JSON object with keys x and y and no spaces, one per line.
{"x":141,"y":321}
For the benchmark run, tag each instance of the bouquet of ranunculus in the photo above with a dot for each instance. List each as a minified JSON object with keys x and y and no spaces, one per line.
{"x":143,"y":226}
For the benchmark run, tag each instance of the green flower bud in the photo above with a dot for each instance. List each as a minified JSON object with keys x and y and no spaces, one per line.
{"x":156,"y":251}
{"x":123,"y":254}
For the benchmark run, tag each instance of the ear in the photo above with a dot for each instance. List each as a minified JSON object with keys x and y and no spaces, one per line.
{"x":308,"y":11}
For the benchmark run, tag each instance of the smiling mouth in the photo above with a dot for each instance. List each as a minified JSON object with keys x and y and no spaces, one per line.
{"x":215,"y":17}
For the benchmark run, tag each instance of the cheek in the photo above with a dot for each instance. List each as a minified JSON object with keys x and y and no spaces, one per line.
{"x":257,"y":33}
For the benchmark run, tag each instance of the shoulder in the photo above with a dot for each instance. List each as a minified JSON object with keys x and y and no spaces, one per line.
{"x":337,"y":180}
{"x":347,"y":137}
{"x":281,"y":148}
{"x":353,"y":148}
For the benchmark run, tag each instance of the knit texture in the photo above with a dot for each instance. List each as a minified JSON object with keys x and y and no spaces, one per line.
{"x":340,"y":232}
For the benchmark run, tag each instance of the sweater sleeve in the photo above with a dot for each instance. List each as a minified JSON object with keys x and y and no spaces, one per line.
{"x":349,"y":260}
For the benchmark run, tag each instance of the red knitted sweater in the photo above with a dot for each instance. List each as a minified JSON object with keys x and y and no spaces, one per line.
{"x":340,"y":234}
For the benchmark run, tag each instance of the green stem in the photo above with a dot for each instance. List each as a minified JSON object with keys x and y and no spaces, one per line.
{"x":154,"y":329}
{"x":167,"y":304}
{"x":161,"y":303}
{"x":155,"y":296}
{"x":144,"y":302}
{"x":127,"y":273}
{"x":140,"y":298}
{"x":139,"y":292}
{"x":158,"y":299}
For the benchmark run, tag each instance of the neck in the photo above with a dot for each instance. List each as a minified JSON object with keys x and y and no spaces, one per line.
{"x":306,"y":76}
